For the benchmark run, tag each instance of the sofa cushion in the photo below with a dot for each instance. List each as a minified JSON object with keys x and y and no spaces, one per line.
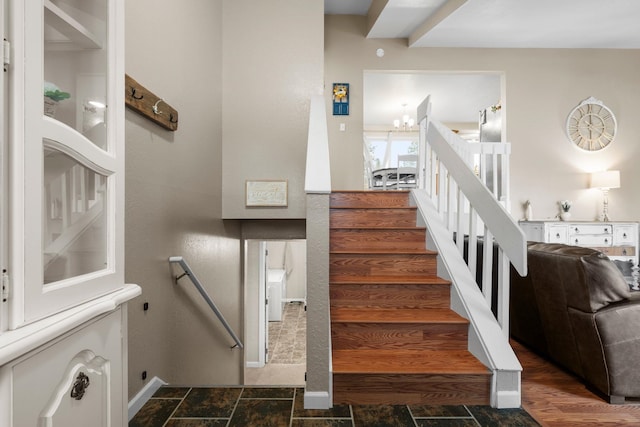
{"x":590,"y":280}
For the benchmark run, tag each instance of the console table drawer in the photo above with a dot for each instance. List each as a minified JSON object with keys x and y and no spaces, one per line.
{"x":591,"y":240}
{"x":557,"y":234}
{"x":590,"y":229}
{"x":617,"y":250}
{"x":625,"y":234}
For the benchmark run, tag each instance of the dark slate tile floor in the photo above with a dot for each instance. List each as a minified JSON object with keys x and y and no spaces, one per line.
{"x":283,"y":406}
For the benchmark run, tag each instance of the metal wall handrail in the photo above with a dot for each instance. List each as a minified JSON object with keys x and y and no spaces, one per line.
{"x":207,"y":298}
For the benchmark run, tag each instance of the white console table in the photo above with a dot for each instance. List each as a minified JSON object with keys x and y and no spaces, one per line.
{"x":618,"y":240}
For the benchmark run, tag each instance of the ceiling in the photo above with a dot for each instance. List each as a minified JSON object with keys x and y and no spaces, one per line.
{"x":455,"y":97}
{"x":611,"y":24}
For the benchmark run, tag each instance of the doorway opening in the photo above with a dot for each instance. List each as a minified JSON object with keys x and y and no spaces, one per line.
{"x":459,"y":99}
{"x":275,"y":279}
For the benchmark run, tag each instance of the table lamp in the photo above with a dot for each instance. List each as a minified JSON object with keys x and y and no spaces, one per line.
{"x":605,"y":181}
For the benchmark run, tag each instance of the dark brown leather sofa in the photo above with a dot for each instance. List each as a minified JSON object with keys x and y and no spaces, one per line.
{"x":575,"y":308}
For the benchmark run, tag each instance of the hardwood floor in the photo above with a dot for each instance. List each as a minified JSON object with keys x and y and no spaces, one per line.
{"x":556,"y":398}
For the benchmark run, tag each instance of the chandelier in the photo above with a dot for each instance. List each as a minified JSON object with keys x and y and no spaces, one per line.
{"x":406,"y":122}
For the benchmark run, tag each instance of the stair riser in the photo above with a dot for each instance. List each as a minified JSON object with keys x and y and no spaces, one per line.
{"x":392,"y":240}
{"x":382,"y":264}
{"x":355,"y":218}
{"x":416,"y":389}
{"x":388,"y":199}
{"x":387,"y":296}
{"x":352,"y":336}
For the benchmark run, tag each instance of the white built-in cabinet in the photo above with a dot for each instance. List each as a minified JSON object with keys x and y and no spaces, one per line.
{"x":63,"y":323}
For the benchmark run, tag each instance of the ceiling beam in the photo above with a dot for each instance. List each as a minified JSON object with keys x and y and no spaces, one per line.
{"x":375,"y":10}
{"x":434,"y":19}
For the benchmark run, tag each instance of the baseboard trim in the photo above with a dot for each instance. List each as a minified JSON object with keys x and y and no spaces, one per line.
{"x":508,"y":399}
{"x":317,"y":400}
{"x":144,"y":395}
{"x":255,"y":365}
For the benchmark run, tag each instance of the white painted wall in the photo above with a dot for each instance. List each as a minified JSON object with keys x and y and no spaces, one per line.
{"x":291,"y":256}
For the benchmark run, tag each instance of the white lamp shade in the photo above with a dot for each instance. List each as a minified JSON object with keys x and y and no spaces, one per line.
{"x":606,"y":179}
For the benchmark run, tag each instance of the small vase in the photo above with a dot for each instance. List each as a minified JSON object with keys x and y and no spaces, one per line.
{"x":50,"y":107}
{"x":528,"y":213}
{"x":565,"y":216}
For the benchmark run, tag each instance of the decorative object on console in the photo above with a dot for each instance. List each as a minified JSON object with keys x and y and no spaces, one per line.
{"x":528,"y":211}
{"x":565,"y":206}
{"x":591,"y":125}
{"x":605,"y":181}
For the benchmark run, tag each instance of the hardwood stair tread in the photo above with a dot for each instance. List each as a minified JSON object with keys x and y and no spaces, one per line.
{"x":370,"y":227}
{"x":383,"y":251}
{"x":388,"y":280}
{"x":382,"y":228}
{"x":365,"y":207}
{"x":366,"y":361}
{"x":366,"y":199}
{"x":395,"y":315}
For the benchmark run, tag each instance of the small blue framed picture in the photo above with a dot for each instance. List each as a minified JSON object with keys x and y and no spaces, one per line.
{"x":341,"y":99}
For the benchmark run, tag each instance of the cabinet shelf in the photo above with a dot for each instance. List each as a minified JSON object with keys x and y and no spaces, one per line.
{"x":76,"y":35}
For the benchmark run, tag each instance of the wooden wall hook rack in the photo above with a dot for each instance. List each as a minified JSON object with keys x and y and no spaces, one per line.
{"x":143,"y":101}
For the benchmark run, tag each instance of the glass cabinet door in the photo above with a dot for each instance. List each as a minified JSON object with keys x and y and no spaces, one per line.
{"x":68,"y":139}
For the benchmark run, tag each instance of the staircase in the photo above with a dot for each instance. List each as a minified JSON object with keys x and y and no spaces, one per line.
{"x":395,"y":339}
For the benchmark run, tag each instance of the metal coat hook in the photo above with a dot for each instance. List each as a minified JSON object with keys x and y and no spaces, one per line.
{"x":133,"y":93}
{"x":155,"y":106}
{"x":148,"y":104}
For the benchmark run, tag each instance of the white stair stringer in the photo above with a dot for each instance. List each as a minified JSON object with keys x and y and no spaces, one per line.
{"x":487,"y":341}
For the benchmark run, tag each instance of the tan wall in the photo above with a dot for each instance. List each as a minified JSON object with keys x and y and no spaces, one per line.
{"x":272,"y":64}
{"x":541,"y":87}
{"x":173,"y":199}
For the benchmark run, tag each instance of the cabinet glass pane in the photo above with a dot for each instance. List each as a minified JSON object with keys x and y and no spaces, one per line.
{"x":74,"y":222}
{"x":75,"y":64}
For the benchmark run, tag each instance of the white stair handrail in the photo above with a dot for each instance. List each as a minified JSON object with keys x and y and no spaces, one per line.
{"x":511,"y":238}
{"x":188,"y":272}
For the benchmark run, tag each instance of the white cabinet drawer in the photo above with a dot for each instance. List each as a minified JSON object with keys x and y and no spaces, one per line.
{"x":591,"y":240}
{"x":625,"y":235}
{"x":557,"y":234}
{"x":590,"y":229}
